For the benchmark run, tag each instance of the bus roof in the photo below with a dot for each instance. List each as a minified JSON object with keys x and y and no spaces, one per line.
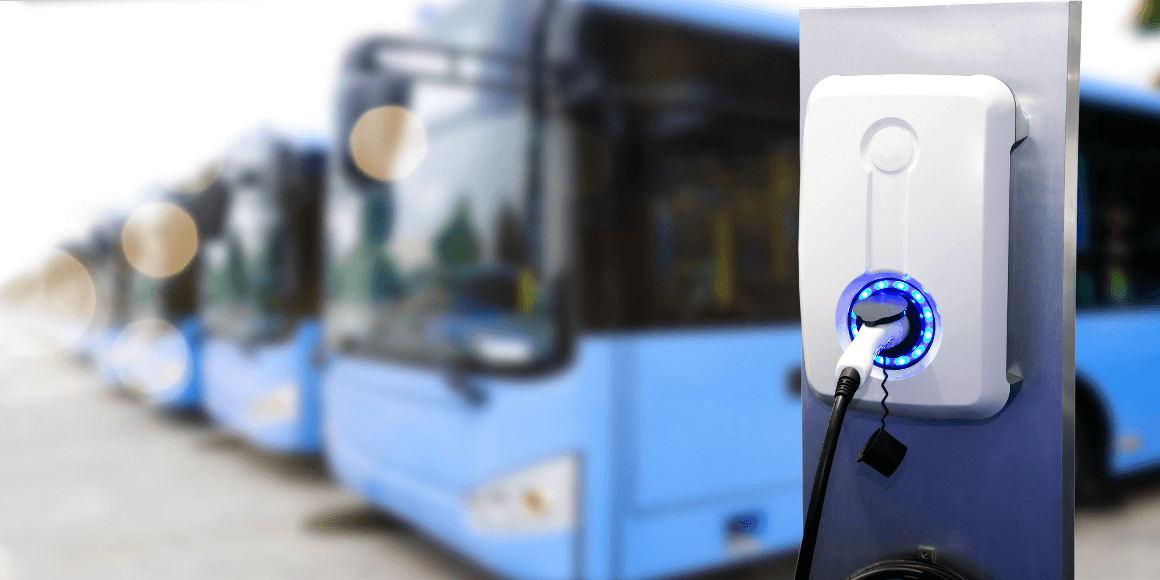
{"x":738,"y":17}
{"x":1111,"y":94}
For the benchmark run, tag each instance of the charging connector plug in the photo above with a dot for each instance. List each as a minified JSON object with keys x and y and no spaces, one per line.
{"x":884,"y":325}
{"x":870,"y":341}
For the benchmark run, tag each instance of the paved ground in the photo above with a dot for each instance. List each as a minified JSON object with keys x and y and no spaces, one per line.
{"x":79,"y":499}
{"x":1121,"y":543}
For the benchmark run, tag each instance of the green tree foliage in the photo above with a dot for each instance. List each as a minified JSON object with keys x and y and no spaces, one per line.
{"x":458,"y":242}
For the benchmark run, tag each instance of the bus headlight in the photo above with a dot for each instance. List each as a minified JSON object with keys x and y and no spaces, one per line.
{"x":279,"y":404}
{"x":541,"y":498}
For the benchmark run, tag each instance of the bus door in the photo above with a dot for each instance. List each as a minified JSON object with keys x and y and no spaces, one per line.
{"x":689,"y":253}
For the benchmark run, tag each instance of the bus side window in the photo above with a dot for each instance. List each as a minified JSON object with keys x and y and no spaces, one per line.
{"x":1085,"y":279}
{"x":1118,"y":235}
{"x":724,"y":234}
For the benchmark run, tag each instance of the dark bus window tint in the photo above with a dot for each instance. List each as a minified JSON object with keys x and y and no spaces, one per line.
{"x":1118,"y":240}
{"x":691,"y":218}
{"x":173,"y":298}
{"x":111,"y":283}
{"x":262,"y":271}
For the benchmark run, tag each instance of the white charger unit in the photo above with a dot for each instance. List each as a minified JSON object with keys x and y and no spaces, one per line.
{"x":905,"y":190}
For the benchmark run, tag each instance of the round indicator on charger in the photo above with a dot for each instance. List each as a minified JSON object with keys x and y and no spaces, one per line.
{"x":919,"y":312}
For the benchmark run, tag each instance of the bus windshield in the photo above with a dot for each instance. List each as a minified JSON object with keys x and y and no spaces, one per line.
{"x":683,"y":196}
{"x":171,"y":299}
{"x":110,"y":281}
{"x":258,"y":278}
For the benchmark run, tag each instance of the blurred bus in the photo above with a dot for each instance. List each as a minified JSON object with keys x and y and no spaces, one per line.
{"x":1117,"y":287}
{"x":567,"y":343}
{"x":111,"y":285}
{"x":260,"y":291}
{"x":157,"y":354}
{"x":101,"y":257}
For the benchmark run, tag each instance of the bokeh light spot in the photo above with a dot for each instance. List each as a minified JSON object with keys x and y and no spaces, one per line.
{"x":151,"y":356}
{"x":159,"y":239}
{"x":201,"y":180}
{"x":388,"y":143}
{"x":49,"y":309}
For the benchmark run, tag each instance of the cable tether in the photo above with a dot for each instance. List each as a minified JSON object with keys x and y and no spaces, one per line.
{"x":886,"y":393}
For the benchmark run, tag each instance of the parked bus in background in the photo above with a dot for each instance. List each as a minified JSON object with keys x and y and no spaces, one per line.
{"x":260,"y":294}
{"x":562,"y":312}
{"x":90,"y":252}
{"x":1117,"y":287}
{"x":157,"y":355}
{"x":110,"y":274}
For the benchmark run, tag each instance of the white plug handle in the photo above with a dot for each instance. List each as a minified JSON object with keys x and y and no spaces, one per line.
{"x":870,"y":341}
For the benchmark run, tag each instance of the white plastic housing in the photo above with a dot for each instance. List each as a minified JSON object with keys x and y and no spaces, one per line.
{"x":910,"y":174}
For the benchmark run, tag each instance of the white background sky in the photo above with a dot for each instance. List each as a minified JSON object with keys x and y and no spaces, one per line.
{"x":99,"y":99}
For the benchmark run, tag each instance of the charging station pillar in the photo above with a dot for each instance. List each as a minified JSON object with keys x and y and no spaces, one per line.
{"x":992,"y":496}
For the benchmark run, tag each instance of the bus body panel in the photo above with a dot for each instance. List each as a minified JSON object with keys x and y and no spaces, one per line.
{"x":694,"y":538}
{"x":269,"y":395}
{"x":717,"y":397}
{"x":1122,"y":380}
{"x":714,"y":426}
{"x":530,"y":557}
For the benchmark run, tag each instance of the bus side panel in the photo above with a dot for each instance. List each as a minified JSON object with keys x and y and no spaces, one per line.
{"x":403,"y":438}
{"x":693,"y":538}
{"x":1118,"y":352}
{"x":717,"y":449}
{"x":308,"y":436}
{"x":223,"y":369}
{"x":714,"y":414}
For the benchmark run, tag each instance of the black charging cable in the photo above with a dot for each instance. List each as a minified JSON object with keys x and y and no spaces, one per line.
{"x":848,"y":383}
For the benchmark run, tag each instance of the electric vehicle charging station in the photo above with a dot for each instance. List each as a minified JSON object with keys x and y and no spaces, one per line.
{"x":937,"y":253}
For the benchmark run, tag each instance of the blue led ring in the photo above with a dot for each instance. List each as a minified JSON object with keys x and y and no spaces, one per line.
{"x":918,"y":299}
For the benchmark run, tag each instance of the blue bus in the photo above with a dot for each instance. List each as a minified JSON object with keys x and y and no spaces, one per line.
{"x":260,"y":294}
{"x":1117,"y":287}
{"x":157,"y":354}
{"x":106,"y":264}
{"x":567,"y":344}
{"x":110,"y":284}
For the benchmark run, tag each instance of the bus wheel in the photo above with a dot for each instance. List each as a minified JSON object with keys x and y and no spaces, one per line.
{"x":1094,"y":487}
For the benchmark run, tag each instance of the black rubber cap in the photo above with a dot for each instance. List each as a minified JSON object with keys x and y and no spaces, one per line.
{"x":883,"y":452}
{"x":880,"y":309}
